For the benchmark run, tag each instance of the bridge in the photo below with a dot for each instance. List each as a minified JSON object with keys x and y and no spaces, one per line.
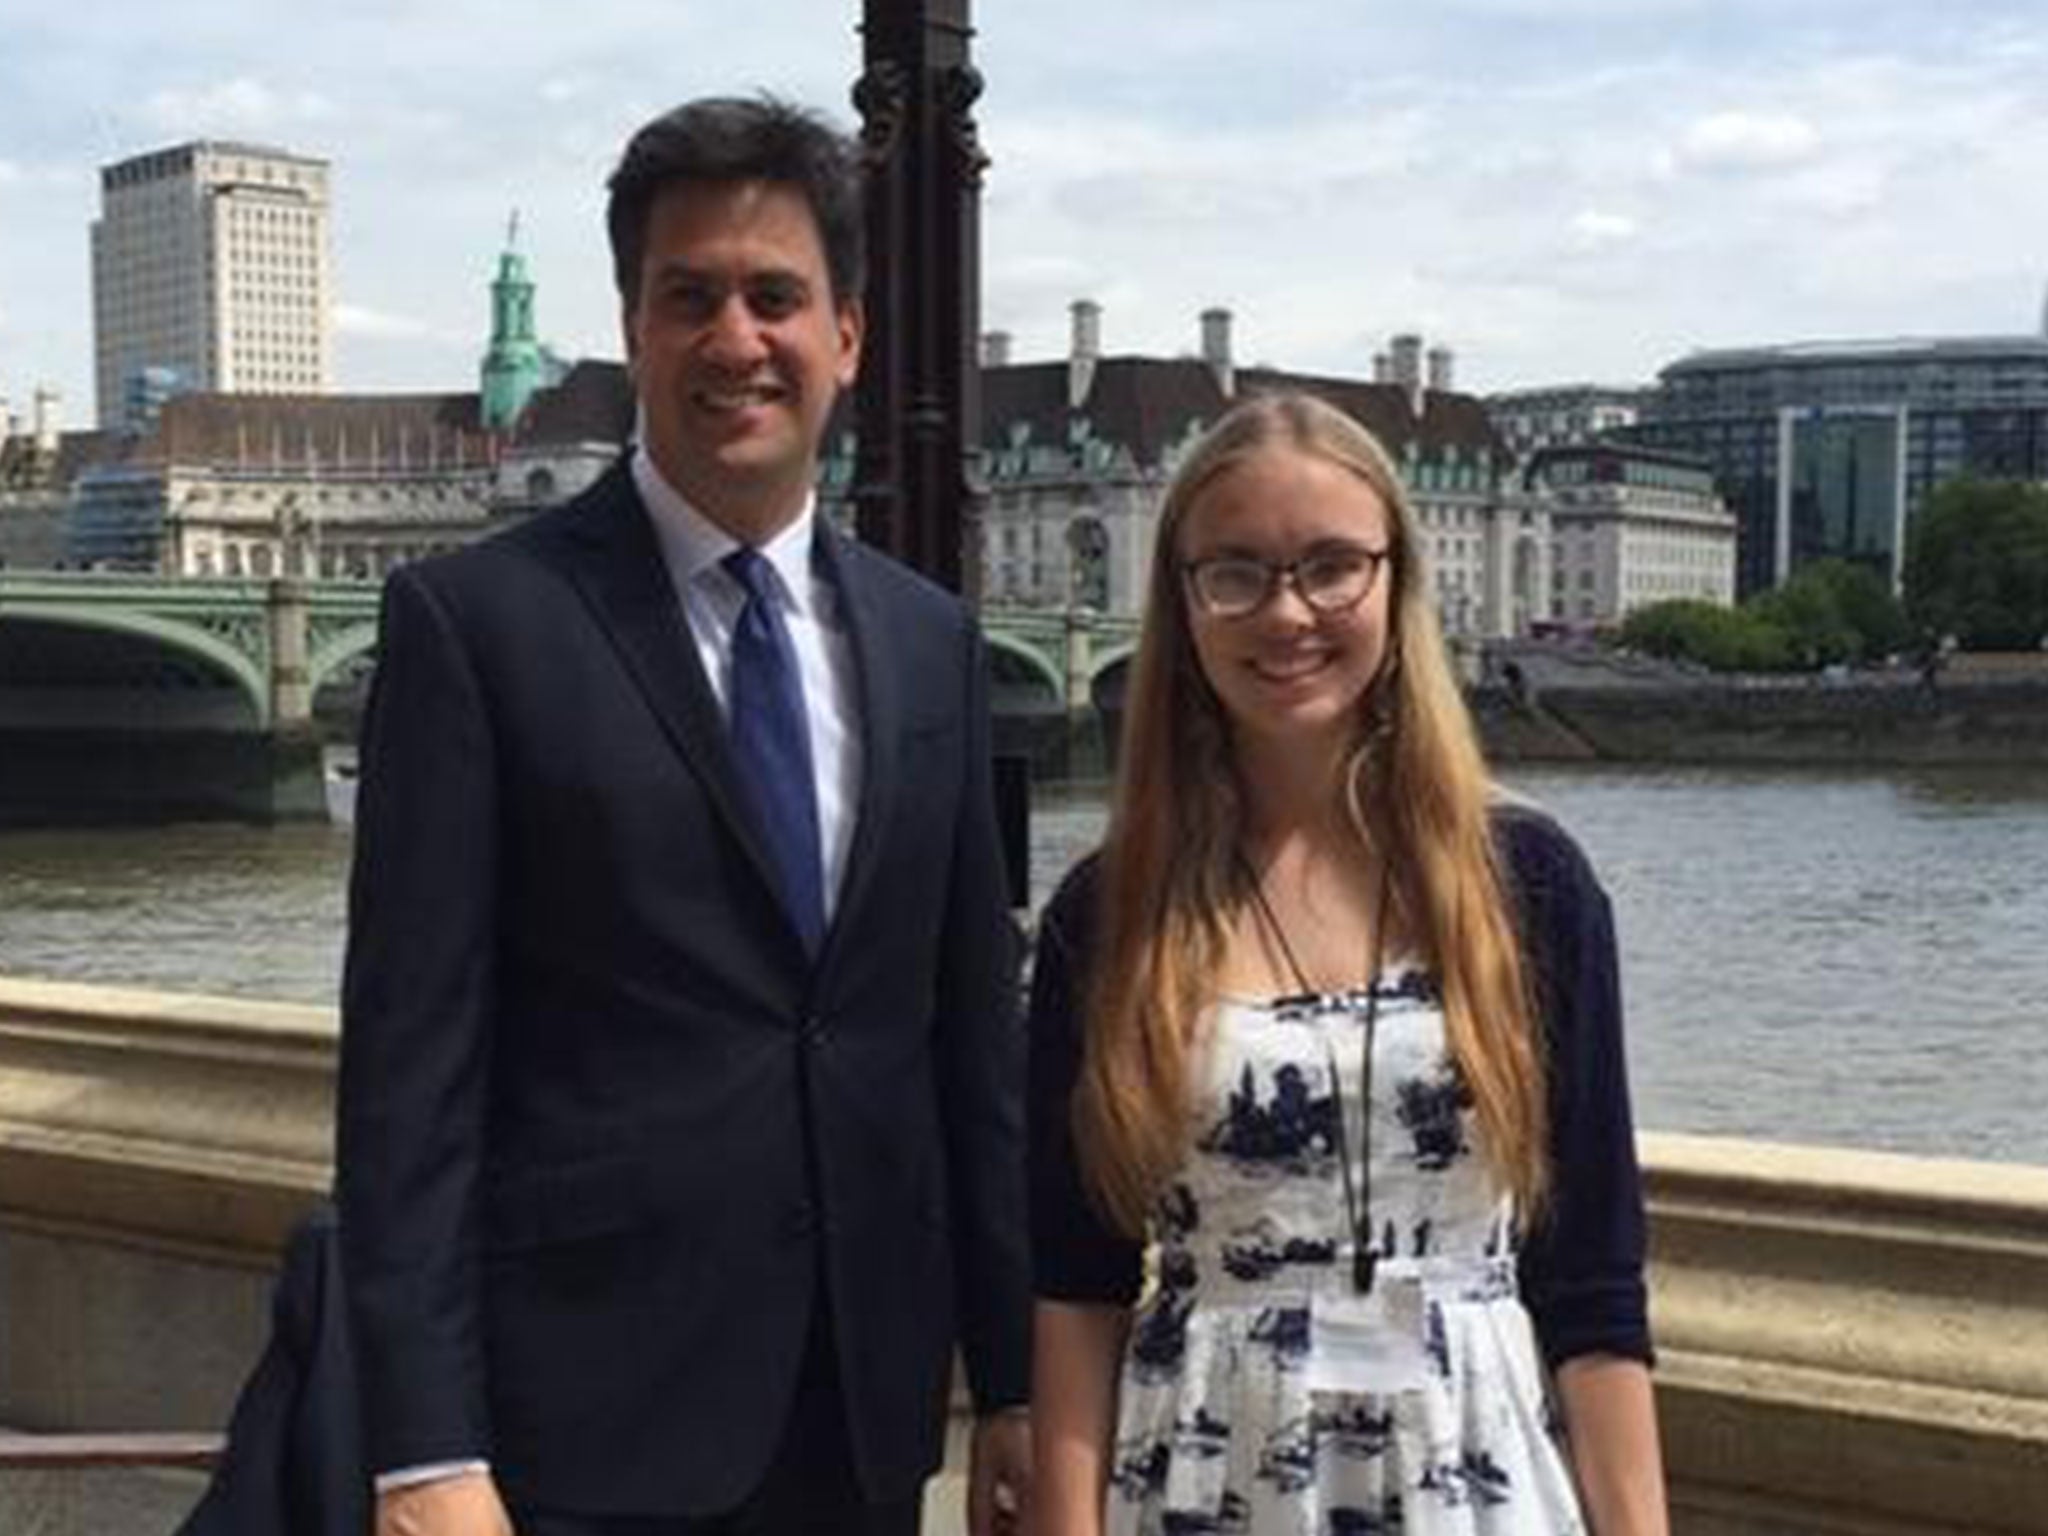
{"x":152,"y":696}
{"x":261,"y":649}
{"x":272,"y":645}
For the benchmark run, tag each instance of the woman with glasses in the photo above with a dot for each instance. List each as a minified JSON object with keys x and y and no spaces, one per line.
{"x":1335,"y":1202}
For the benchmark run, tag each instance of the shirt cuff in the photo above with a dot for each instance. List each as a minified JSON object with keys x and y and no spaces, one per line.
{"x":429,"y":1472}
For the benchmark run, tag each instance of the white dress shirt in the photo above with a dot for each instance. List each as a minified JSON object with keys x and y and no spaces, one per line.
{"x":692,"y":545}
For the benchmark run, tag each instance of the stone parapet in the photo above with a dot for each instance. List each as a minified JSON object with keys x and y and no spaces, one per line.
{"x":1852,"y":1344}
{"x":194,"y":1125}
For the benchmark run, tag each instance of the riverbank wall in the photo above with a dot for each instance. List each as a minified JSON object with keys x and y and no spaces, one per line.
{"x":1804,"y":723}
{"x":112,"y":776}
{"x":105,"y":776}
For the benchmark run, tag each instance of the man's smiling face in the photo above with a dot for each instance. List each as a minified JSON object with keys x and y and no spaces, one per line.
{"x":738,"y":347}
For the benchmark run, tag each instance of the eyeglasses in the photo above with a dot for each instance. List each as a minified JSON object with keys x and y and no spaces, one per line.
{"x":1331,"y":578}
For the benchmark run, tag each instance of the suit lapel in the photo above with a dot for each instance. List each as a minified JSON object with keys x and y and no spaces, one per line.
{"x":619,"y":569}
{"x":878,"y":671}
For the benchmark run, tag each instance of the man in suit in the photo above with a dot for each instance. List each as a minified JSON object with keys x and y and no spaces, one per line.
{"x":680,"y":1126}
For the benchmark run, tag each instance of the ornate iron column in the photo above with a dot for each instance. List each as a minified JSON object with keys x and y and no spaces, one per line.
{"x":916,"y":489}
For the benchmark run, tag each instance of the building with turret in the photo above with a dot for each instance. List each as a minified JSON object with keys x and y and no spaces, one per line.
{"x":347,"y":486}
{"x":1074,"y":456}
{"x":514,"y":364}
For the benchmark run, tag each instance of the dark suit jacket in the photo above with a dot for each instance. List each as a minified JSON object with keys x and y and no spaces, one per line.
{"x":607,"y":1131}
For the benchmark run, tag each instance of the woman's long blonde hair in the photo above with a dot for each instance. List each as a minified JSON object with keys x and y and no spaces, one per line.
{"x":1417,"y":794}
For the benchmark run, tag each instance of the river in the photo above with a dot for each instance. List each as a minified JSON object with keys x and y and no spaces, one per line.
{"x":1820,"y":957}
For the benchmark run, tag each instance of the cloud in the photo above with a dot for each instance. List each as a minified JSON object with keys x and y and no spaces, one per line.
{"x":1835,"y":190}
{"x":1747,"y":141}
{"x":240,"y":104}
{"x":359,"y":320}
{"x":1846,"y":166}
{"x":1594,"y":229}
{"x":1552,"y":12}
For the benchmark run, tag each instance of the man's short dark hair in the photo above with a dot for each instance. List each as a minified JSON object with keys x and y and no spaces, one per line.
{"x":733,"y":139}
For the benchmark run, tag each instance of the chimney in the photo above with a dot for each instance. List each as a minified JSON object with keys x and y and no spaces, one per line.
{"x":46,"y":419}
{"x":1407,"y":355}
{"x":1216,"y":350}
{"x":995,"y":349}
{"x":1382,"y":368}
{"x":1440,"y":370}
{"x":1087,"y":348}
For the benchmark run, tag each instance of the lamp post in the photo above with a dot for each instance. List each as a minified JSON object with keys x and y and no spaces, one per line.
{"x":916,"y":486}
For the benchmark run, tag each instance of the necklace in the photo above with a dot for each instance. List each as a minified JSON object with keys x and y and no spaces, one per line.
{"x":1357,"y":1191}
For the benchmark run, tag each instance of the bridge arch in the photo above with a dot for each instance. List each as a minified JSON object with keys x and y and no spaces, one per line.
{"x":1116,"y":655}
{"x":335,"y":652}
{"x":1017,"y":663}
{"x":1109,"y":672}
{"x":188,"y":640}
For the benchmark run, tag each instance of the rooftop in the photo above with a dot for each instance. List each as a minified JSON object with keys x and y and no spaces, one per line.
{"x":1886,"y":349}
{"x":1147,"y":404}
{"x":219,"y":147}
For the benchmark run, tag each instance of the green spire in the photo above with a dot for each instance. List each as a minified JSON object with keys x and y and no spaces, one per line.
{"x":512,"y":367}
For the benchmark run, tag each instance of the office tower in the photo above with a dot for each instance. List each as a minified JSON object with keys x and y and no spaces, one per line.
{"x":1829,"y":449}
{"x":210,"y":263}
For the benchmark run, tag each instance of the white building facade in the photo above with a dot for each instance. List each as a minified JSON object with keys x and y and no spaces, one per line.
{"x":1629,"y":527}
{"x":1076,"y":454}
{"x":347,"y":486}
{"x":211,"y":271}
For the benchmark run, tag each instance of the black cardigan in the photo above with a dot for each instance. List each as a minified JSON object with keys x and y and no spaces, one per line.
{"x":1581,"y":1269}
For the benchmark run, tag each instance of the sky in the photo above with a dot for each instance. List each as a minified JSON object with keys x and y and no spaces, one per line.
{"x":1558,"y":190}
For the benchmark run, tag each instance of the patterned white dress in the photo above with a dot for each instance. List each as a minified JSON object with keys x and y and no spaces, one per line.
{"x":1227,"y":1419}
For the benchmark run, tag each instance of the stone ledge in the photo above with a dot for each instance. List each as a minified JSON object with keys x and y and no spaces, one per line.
{"x":196,"y":1125}
{"x":1852,"y":1343}
{"x":176,"y":1022}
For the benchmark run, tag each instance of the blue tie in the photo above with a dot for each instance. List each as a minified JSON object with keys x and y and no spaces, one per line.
{"x":771,"y":739}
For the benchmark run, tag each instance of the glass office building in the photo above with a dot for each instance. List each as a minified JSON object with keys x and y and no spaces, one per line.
{"x":1829,"y":449}
{"x":1842,"y":487}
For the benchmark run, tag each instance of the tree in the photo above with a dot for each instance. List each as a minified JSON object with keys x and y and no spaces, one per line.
{"x":1870,"y":608}
{"x":1830,"y":611}
{"x":1720,"y":639}
{"x":1977,"y":564}
{"x":1834,"y":611}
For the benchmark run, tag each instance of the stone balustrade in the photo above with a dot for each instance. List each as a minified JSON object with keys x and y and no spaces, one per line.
{"x":194,"y":1125}
{"x":1853,"y":1344}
